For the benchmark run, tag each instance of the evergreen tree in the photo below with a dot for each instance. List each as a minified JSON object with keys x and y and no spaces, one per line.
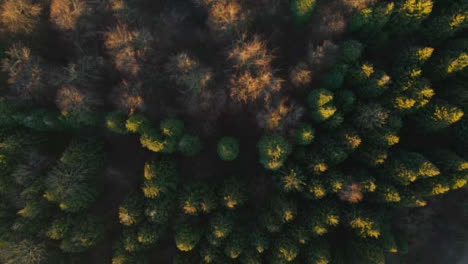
{"x":274,"y":150}
{"x":228,"y":148}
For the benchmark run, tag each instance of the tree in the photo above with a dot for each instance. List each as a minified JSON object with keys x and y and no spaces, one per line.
{"x":189,"y":74}
{"x":70,"y":182}
{"x":365,"y":224}
{"x":409,"y":64}
{"x":187,"y":236}
{"x":210,"y":254}
{"x":438,"y":115}
{"x":235,"y":244}
{"x":115,"y":122}
{"x":130,"y":210}
{"x":227,"y":17}
{"x":161,"y":177}
{"x":318,"y":252}
{"x":220,"y":227}
{"x":228,"y":148}
{"x":233,"y":194}
{"x":451,"y":20}
{"x":160,"y":210}
{"x":351,"y":51}
{"x":26,"y":73}
{"x":369,"y":22}
{"x":302,"y":9}
{"x":335,"y":78}
{"x":77,"y":233}
{"x":172,"y":128}
{"x":197,"y":198}
{"x":321,"y":103}
{"x":20,"y":17}
{"x":190,"y":145}
{"x":304,"y":135}
{"x":409,"y":15}
{"x":259,"y":241}
{"x":285,"y":249}
{"x":149,"y":234}
{"x":290,"y":179}
{"x":23,"y":252}
{"x":153,"y":141}
{"x":449,"y":63}
{"x":137,"y":123}
{"x":273,"y":150}
{"x":365,"y":252}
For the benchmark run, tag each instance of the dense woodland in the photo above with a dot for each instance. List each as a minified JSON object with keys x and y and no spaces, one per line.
{"x":233,"y":131}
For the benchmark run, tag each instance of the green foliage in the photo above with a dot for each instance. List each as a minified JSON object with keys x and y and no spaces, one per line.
{"x":290,"y":179}
{"x":449,"y":64}
{"x":130,"y":210}
{"x":273,"y":150}
{"x":233,"y":194}
{"x":318,"y":252}
{"x":370,"y":21}
{"x":345,"y":100}
{"x":364,"y":224}
{"x":259,"y":241}
{"x":438,"y":115}
{"x":351,"y":51}
{"x":77,"y":233}
{"x":302,"y":9}
{"x":285,"y":249}
{"x":153,"y":141}
{"x":172,"y":128}
{"x":409,"y":15}
{"x":335,"y":79}
{"x":321,"y":103}
{"x":365,"y":252}
{"x":228,"y":148}
{"x":305,"y":134}
{"x":116,"y":122}
{"x":197,"y":198}
{"x":451,"y":20}
{"x":159,"y":211}
{"x":23,"y":252}
{"x":137,"y":123}
{"x":407,"y":167}
{"x":70,"y":183}
{"x":235,"y":245}
{"x":161,"y":177}
{"x":187,"y":236}
{"x":190,"y":145}
{"x":220,"y":227}
{"x":149,"y":234}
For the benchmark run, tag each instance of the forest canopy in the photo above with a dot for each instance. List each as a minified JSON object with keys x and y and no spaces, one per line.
{"x":233,"y":131}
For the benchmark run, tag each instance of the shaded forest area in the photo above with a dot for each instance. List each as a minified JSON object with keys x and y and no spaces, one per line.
{"x":233,"y":131}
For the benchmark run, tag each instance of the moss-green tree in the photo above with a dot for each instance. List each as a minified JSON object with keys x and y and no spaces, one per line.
{"x":228,"y":148}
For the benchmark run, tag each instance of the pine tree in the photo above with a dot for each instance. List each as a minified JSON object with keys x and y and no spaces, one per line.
{"x":228,"y":148}
{"x":274,"y":150}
